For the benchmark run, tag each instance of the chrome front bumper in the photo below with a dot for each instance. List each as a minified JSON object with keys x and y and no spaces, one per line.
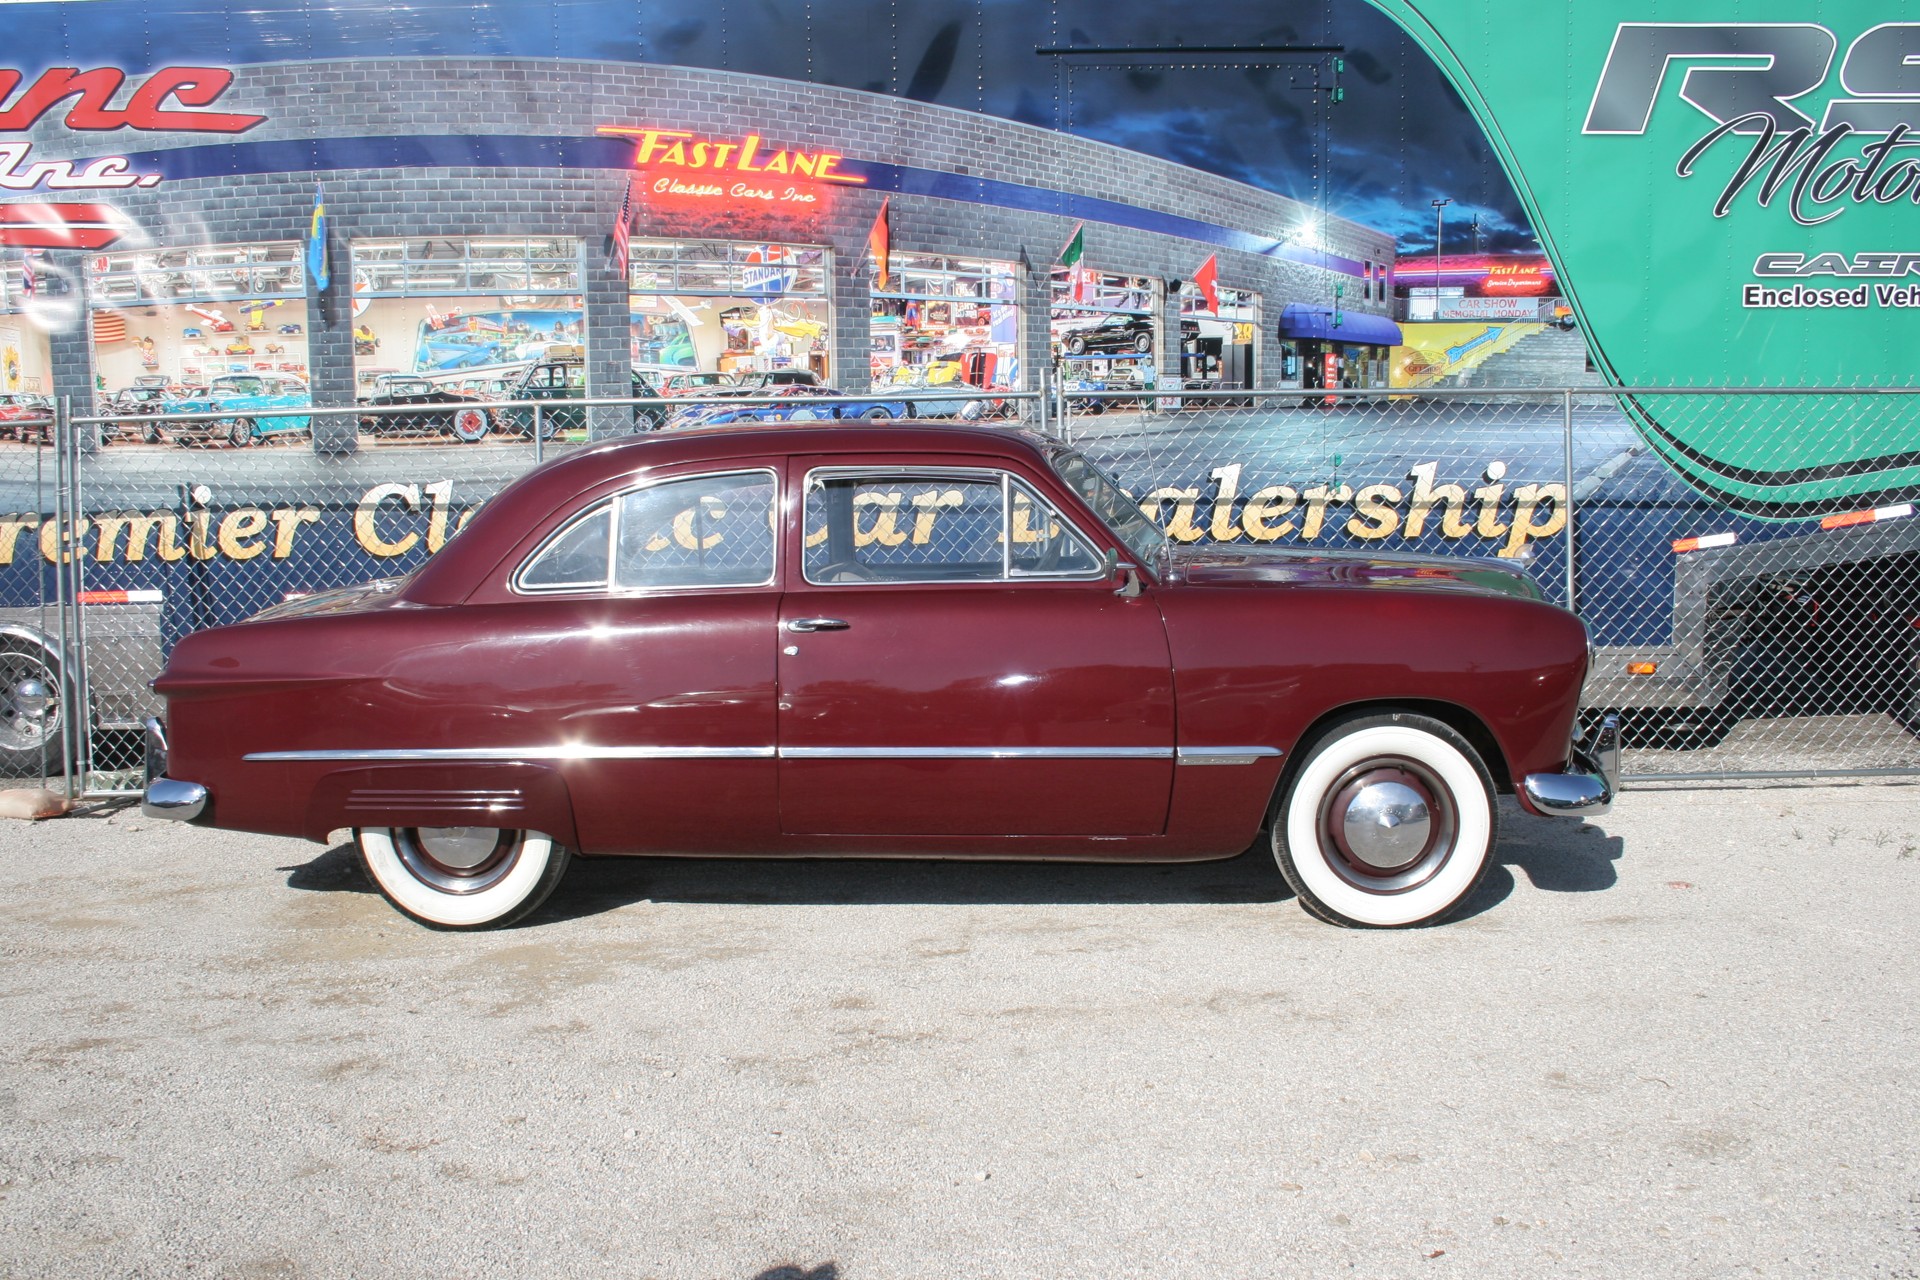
{"x":1589,"y":789}
{"x":165,"y":797}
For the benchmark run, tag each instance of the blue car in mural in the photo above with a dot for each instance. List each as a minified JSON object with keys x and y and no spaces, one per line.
{"x":246,"y":396}
{"x":798,"y":402}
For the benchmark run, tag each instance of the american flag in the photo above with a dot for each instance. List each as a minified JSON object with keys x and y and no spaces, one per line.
{"x":622,"y":231}
{"x":29,"y":282}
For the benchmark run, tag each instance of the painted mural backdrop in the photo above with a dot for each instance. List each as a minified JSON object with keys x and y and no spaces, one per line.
{"x":1726,"y":200}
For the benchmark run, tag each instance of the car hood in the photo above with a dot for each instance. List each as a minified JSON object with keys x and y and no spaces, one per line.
{"x":1299,"y":566}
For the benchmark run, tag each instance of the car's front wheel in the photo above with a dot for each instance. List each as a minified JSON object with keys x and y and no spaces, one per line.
{"x":462,"y":877}
{"x":1389,"y":821}
{"x":240,"y":432}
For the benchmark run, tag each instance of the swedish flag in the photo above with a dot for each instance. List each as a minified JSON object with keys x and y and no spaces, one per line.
{"x":317,"y":243}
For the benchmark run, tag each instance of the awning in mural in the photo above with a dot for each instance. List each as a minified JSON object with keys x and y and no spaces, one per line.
{"x":1300,"y":321}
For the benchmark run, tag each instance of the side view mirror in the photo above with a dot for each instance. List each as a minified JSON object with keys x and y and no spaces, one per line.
{"x":1129,"y":577}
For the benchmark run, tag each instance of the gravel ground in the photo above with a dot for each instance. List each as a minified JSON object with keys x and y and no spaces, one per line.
{"x":1677,"y":1042}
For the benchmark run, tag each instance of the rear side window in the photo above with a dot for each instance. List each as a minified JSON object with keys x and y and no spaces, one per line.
{"x":933,"y":527}
{"x":700,"y":531}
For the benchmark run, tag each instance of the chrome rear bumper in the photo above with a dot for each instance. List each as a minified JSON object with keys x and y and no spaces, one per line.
{"x":165,"y":797}
{"x":1588,"y":789}
{"x":174,"y":800}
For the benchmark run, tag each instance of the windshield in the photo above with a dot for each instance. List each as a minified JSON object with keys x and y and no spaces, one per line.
{"x":238,"y":387}
{"x":1111,"y":503}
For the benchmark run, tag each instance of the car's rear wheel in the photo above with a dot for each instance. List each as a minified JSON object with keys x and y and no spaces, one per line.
{"x":876,"y":414}
{"x":1143,"y":342}
{"x":240,"y":432}
{"x":1389,"y":821}
{"x":462,"y":877}
{"x":470,"y":426}
{"x":1076,"y":346}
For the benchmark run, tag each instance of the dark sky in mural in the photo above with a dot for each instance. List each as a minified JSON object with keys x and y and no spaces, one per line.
{"x":1400,"y":139}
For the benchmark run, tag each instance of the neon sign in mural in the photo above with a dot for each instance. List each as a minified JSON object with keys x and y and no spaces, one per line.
{"x":683,"y":164}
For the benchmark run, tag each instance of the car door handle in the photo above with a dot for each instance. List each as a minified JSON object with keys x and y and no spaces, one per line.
{"x":816,"y":624}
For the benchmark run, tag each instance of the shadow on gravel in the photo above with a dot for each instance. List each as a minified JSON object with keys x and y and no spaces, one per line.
{"x":1556,"y":857}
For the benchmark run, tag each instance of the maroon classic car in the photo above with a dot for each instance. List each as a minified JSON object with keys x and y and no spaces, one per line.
{"x":881,"y":642}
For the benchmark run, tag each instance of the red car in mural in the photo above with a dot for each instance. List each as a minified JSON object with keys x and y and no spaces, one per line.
{"x":26,"y":416}
{"x":883,"y":642}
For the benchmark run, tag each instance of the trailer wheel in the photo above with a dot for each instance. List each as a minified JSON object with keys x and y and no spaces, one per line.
{"x":33,"y":703}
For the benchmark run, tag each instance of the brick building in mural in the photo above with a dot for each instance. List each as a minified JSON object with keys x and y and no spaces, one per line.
{"x":469,"y":204}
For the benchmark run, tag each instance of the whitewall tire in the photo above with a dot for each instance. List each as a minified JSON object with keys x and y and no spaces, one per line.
{"x":462,"y":877}
{"x":1389,"y":821}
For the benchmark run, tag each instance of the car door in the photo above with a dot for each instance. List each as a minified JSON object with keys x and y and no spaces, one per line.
{"x":642,"y":646}
{"x":955,"y":661}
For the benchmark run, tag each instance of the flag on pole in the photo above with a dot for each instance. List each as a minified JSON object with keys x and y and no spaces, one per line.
{"x":623,"y":231}
{"x":1070,"y":256}
{"x":1076,"y":246}
{"x":29,"y":281}
{"x":879,"y":238}
{"x":317,"y":270}
{"x":1207,"y":280}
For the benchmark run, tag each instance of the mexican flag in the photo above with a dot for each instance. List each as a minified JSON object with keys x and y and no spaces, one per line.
{"x":1070,"y":259}
{"x":1076,"y":247}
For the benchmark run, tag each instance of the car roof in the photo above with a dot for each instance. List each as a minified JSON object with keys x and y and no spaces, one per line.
{"x":466,"y":561}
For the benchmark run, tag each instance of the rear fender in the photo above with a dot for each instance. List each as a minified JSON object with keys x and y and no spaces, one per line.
{"x":531,"y":797}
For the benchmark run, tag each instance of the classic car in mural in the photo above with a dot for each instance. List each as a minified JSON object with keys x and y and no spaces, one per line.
{"x":245,"y":396}
{"x":26,"y":416}
{"x":450,"y":413}
{"x":790,"y":402}
{"x":886,"y":641}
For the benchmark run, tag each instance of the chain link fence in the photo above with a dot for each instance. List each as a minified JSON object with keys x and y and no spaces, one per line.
{"x":1778,"y":638}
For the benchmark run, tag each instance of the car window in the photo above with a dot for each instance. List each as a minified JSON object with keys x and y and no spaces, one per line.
{"x":701,"y":531}
{"x":707,"y":531}
{"x":935,"y":527}
{"x":577,"y":559}
{"x":1110,"y":502}
{"x":1044,"y":544}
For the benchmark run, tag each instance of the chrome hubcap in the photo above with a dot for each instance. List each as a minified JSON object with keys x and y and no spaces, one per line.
{"x":1387,"y":825}
{"x":457,"y":859}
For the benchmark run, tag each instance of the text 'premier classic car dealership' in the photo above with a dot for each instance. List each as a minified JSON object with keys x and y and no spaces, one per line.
{"x":475,"y":243}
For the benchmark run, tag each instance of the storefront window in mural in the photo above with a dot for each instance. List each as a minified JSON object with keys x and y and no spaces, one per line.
{"x":179,"y":318}
{"x":468,"y":314}
{"x":1106,"y":332}
{"x":1218,"y":352}
{"x":944,"y":320}
{"x":728,"y":307}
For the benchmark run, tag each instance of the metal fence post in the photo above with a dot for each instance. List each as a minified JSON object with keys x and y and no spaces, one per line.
{"x":539,"y":434}
{"x":1046,"y":418}
{"x":65,"y":608}
{"x":1566,"y":421}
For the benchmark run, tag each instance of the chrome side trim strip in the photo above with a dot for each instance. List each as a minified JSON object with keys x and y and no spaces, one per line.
{"x":1226,"y":755}
{"x":976,"y":753}
{"x":582,"y":751}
